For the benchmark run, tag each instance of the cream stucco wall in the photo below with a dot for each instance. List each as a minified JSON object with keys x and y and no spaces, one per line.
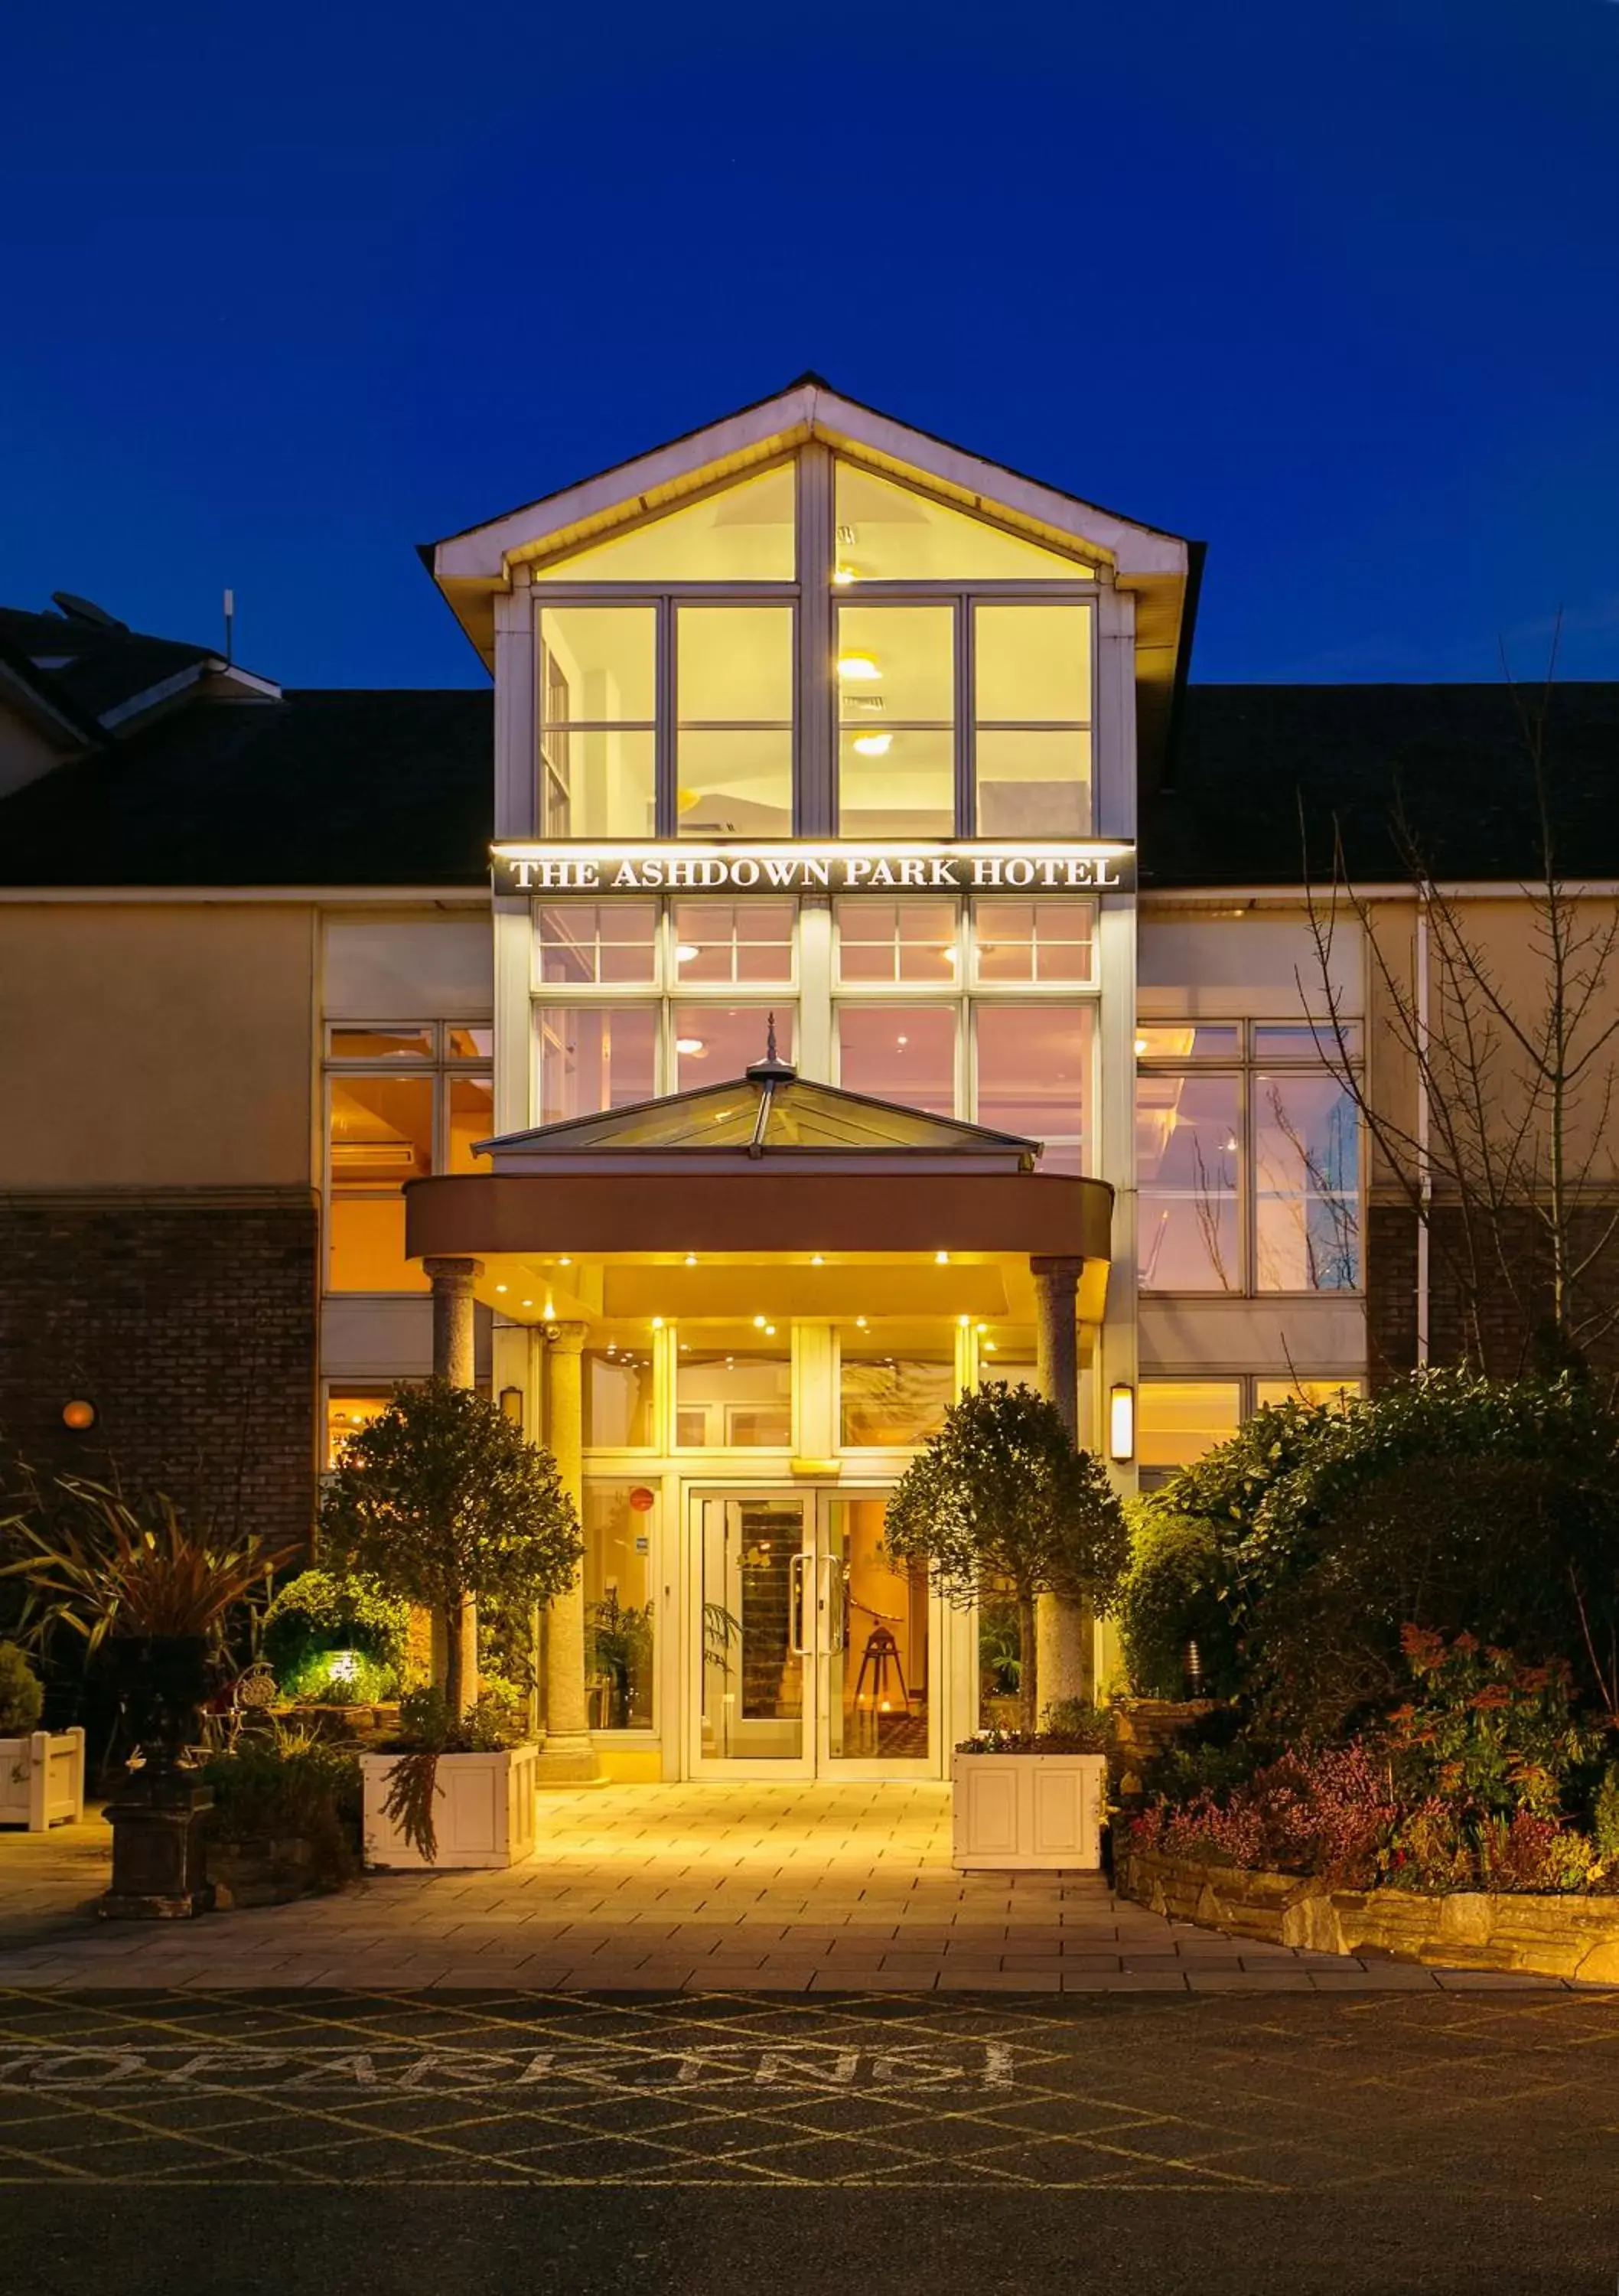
{"x":156,"y":1046}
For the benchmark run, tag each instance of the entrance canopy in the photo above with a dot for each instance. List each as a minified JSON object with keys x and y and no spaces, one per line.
{"x":766,"y":1193}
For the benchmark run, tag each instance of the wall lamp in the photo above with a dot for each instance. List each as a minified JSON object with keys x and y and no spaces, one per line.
{"x":80,"y":1414}
{"x":512,"y":1404}
{"x":1121,"y":1421}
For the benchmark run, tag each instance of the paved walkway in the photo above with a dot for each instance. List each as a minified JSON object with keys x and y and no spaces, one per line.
{"x":819,"y":1889}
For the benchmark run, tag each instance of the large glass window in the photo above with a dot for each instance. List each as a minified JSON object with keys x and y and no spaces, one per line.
{"x":620,"y":1613}
{"x":1031,"y":710}
{"x":883,"y":941}
{"x":740,"y":941}
{"x":741,"y":533}
{"x":733,"y":766}
{"x":597,"y":680}
{"x":1033,"y":941}
{"x":402,"y":1102}
{"x":733,"y":1387}
{"x":895,"y":717}
{"x":1250,"y":1175}
{"x":596,"y":943}
{"x":894,"y":1392}
{"x":1178,"y":1419}
{"x":596,"y":1057}
{"x":1189,"y":1163}
{"x":1033,"y":1076}
{"x":891,"y":533}
{"x":618,"y":1376}
{"x":714,"y":1042}
{"x":1306,"y":1200}
{"x":900,"y":1052}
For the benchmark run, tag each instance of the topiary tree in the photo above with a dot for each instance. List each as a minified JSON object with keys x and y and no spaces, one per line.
{"x":1000,"y":1499}
{"x":442,"y":1501}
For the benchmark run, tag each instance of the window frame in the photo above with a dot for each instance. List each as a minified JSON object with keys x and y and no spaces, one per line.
{"x":437,"y":1068}
{"x":1245,"y":1067}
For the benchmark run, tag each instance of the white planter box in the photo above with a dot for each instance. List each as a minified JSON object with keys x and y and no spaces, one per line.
{"x":42,"y":1779}
{"x":1013,"y":1811}
{"x":483,"y":1813}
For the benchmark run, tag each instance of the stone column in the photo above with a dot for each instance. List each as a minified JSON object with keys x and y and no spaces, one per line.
{"x":568,"y":1758}
{"x":1065,"y":1631}
{"x":455,"y":1359}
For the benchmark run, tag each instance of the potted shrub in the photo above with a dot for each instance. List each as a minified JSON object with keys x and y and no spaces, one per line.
{"x":42,"y":1772}
{"x":285,"y":1820}
{"x":149,"y":1595}
{"x":1001,"y":1508}
{"x":338,"y":1646}
{"x":440,"y":1501}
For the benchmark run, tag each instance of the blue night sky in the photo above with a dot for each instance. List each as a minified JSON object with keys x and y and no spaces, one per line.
{"x":1336,"y":289}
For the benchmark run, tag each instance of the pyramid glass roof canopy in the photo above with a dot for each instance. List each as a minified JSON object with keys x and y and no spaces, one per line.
{"x":770,"y":1112}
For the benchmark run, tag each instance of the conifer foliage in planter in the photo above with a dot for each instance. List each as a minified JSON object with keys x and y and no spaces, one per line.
{"x":42,"y":1772}
{"x":1000,"y":1507}
{"x":441,"y":1501}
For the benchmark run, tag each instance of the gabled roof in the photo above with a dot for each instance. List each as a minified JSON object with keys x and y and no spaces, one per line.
{"x":770,"y":1113}
{"x":105,"y":674}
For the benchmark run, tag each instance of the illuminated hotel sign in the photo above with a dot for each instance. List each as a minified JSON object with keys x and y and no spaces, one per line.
{"x":813,"y":868}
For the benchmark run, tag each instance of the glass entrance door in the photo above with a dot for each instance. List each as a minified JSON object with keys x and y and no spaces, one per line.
{"x":817,"y":1653}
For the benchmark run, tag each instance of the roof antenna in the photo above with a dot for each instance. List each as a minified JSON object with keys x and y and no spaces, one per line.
{"x":230,"y":626}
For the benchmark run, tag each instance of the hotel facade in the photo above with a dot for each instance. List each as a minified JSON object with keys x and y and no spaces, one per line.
{"x":839,"y":957}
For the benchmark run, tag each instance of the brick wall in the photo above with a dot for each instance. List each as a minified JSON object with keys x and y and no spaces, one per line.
{"x":1508,"y":1316}
{"x":190,"y":1323}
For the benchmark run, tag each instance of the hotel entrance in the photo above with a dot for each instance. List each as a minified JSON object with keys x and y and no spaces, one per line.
{"x":817,"y":1656}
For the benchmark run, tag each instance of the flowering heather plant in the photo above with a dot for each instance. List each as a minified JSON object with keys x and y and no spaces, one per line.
{"x":1485,"y":1733}
{"x":1327,"y":1814}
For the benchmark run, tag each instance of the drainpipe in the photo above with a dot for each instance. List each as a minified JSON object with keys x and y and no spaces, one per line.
{"x":1424,"y":1173}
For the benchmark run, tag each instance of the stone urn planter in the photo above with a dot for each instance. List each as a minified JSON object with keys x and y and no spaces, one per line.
{"x":159,"y":1814}
{"x":1013,"y":1813}
{"x":483,"y":1811}
{"x":42,"y":1779}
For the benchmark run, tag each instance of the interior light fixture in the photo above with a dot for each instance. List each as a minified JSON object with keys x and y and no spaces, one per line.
{"x":758,"y":1323}
{"x":860,"y":1323}
{"x":1140,"y":1046}
{"x":941,"y":1259}
{"x":527,"y":1303}
{"x":770,"y":1331}
{"x":685,"y":953}
{"x":964,"y":1321}
{"x":816,"y":1260}
{"x":1121,"y":1420}
{"x":565,"y":1261}
{"x":981,"y":1329}
{"x":657,"y":1322}
{"x":690,"y":1259}
{"x":989,"y":1347}
{"x":79,"y":1414}
{"x":843,"y":576}
{"x":871,"y":745}
{"x":858,"y":669}
{"x":500,"y":1287}
{"x":689,"y":1044}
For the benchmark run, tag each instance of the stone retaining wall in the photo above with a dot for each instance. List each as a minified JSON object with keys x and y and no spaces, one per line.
{"x":1470,"y":1929}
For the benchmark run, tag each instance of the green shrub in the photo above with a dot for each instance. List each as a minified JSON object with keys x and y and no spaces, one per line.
{"x":1084,"y":1728}
{"x":289,"y":1784}
{"x":1172,"y":1596}
{"x":339,"y":1678}
{"x":1604,"y":1815}
{"x":22,"y":1699}
{"x":322,"y":1611}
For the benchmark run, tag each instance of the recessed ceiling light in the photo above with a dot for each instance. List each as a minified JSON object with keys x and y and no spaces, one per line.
{"x":500,"y":1287}
{"x":941,"y":1259}
{"x":565,"y":1261}
{"x":689,"y":1044}
{"x":843,"y":576}
{"x":770,"y":1331}
{"x":871,"y":745}
{"x":816,"y":1260}
{"x":685,"y":954}
{"x":964,"y":1321}
{"x":857,"y":669}
{"x":691,"y":1259}
{"x":860,"y":1323}
{"x":758,"y":1323}
{"x":657,"y":1322}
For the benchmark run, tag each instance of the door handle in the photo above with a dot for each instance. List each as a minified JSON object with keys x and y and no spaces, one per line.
{"x":794,"y":1605}
{"x":835,"y":1636}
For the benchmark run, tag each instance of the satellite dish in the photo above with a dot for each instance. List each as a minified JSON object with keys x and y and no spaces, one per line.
{"x":86,"y":610}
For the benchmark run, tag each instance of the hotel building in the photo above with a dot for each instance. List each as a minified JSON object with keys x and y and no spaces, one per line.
{"x":837,"y":957}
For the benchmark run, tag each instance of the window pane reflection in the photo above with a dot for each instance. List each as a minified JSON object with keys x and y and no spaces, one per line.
{"x":1177,"y":1421}
{"x":733,"y":941}
{"x":897,"y":940}
{"x":1033,"y":784}
{"x":1306,"y":1204}
{"x":733,"y":1389}
{"x":592,"y":941}
{"x":1188,"y":1164}
{"x":619,"y":1402}
{"x":1033,"y":1067}
{"x":1034,"y":940}
{"x":900,"y":1052}
{"x":381,"y":1136}
{"x":889,"y":1395}
{"x":713,"y":1043}
{"x":620,"y":1615}
{"x":595,"y":1059}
